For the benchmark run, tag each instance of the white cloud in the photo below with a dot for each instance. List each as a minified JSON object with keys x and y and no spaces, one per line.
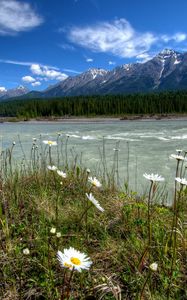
{"x":36,"y":69}
{"x":118,"y":38}
{"x":72,"y":71}
{"x":143,"y":57}
{"x":14,"y":62}
{"x":28,"y":79}
{"x":47,"y":72}
{"x":3,"y":89}
{"x":29,"y":64}
{"x":36,"y":83}
{"x":178,"y":37}
{"x":111,"y":62}
{"x":16,"y":16}
{"x":24,"y":63}
{"x":89,"y":59}
{"x":67,"y":47}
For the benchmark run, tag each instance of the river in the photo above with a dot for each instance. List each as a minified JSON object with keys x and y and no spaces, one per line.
{"x":142,"y":146}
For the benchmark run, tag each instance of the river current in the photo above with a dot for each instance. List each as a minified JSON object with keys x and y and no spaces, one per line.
{"x":132,"y":147}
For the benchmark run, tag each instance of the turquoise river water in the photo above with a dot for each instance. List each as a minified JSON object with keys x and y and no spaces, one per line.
{"x":144,"y":146}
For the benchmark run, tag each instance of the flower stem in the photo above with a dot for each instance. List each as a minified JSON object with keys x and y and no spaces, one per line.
{"x":149,"y":216}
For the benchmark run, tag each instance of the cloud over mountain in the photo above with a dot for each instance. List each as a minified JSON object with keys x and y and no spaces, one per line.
{"x":28,"y":79}
{"x":119,"y":38}
{"x":47,"y":73}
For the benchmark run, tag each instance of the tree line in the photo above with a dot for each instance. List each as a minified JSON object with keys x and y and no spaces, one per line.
{"x":110,"y":105}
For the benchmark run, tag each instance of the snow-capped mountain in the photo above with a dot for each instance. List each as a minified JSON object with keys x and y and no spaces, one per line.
{"x":165,"y":71}
{"x":19,"y":91}
{"x":82,"y":84}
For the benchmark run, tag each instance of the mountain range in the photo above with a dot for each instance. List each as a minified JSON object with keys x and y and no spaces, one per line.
{"x":165,"y":71}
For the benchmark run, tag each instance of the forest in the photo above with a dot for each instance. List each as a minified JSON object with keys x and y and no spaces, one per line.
{"x":107,"y":105}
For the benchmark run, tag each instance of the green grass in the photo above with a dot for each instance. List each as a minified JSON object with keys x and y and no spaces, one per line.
{"x":33,"y":201}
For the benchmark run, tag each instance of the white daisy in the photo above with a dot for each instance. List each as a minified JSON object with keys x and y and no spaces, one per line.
{"x":182,"y":181}
{"x":53,"y":230}
{"x":94,"y":181}
{"x":94,"y":201}
{"x":50,"y":143}
{"x":58,"y":234}
{"x":153,"y":177}
{"x":177,"y":156}
{"x":153,"y":267}
{"x":61,"y":173}
{"x":26,"y":251}
{"x":52,"y":168}
{"x":74,"y":259}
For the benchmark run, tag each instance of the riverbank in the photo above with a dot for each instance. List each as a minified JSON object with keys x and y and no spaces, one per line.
{"x":83,"y":119}
{"x":44,"y":211}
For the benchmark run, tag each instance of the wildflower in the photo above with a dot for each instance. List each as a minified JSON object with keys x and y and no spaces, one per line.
{"x":74,"y":259}
{"x":50,"y":143}
{"x":58,"y":234}
{"x":94,"y":201}
{"x":34,"y":139}
{"x":52,"y":168}
{"x":61,"y":173}
{"x":67,"y":135}
{"x":182,"y":181}
{"x":177,"y":156}
{"x":88,"y":171}
{"x":153,"y":177}
{"x":153,"y":267}
{"x":13,"y":143}
{"x":94,"y":181}
{"x":26,"y":251}
{"x":53,"y":230}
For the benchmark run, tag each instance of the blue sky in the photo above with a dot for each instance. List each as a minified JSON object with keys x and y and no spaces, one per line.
{"x":45,"y":41}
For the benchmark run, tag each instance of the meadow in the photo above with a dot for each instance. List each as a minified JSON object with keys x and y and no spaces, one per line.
{"x":69,"y":233}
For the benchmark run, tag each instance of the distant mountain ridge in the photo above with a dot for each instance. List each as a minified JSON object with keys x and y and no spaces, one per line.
{"x":166,"y":71}
{"x":19,"y":91}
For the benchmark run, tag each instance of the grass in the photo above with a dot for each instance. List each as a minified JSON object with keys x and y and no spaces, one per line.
{"x":33,"y":200}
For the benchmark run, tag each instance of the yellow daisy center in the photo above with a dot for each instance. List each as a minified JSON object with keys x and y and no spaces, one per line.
{"x":50,"y":142}
{"x":67,"y":265}
{"x":75,"y":261}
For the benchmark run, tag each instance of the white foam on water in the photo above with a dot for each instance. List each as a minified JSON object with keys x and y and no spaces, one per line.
{"x":111,"y":137}
{"x":74,"y":136}
{"x":179,"y":137}
{"x":163,"y":138}
{"x":147,"y":136}
{"x":88,"y":137}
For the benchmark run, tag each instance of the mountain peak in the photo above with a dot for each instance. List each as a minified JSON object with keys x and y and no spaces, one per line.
{"x":96,"y":72}
{"x":167,"y":52}
{"x":21,"y":87}
{"x":166,"y":71}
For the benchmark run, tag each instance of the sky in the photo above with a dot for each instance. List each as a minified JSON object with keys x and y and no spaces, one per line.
{"x":44,"y":41}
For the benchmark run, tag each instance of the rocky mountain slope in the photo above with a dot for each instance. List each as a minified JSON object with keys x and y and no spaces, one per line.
{"x":166,"y":71}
